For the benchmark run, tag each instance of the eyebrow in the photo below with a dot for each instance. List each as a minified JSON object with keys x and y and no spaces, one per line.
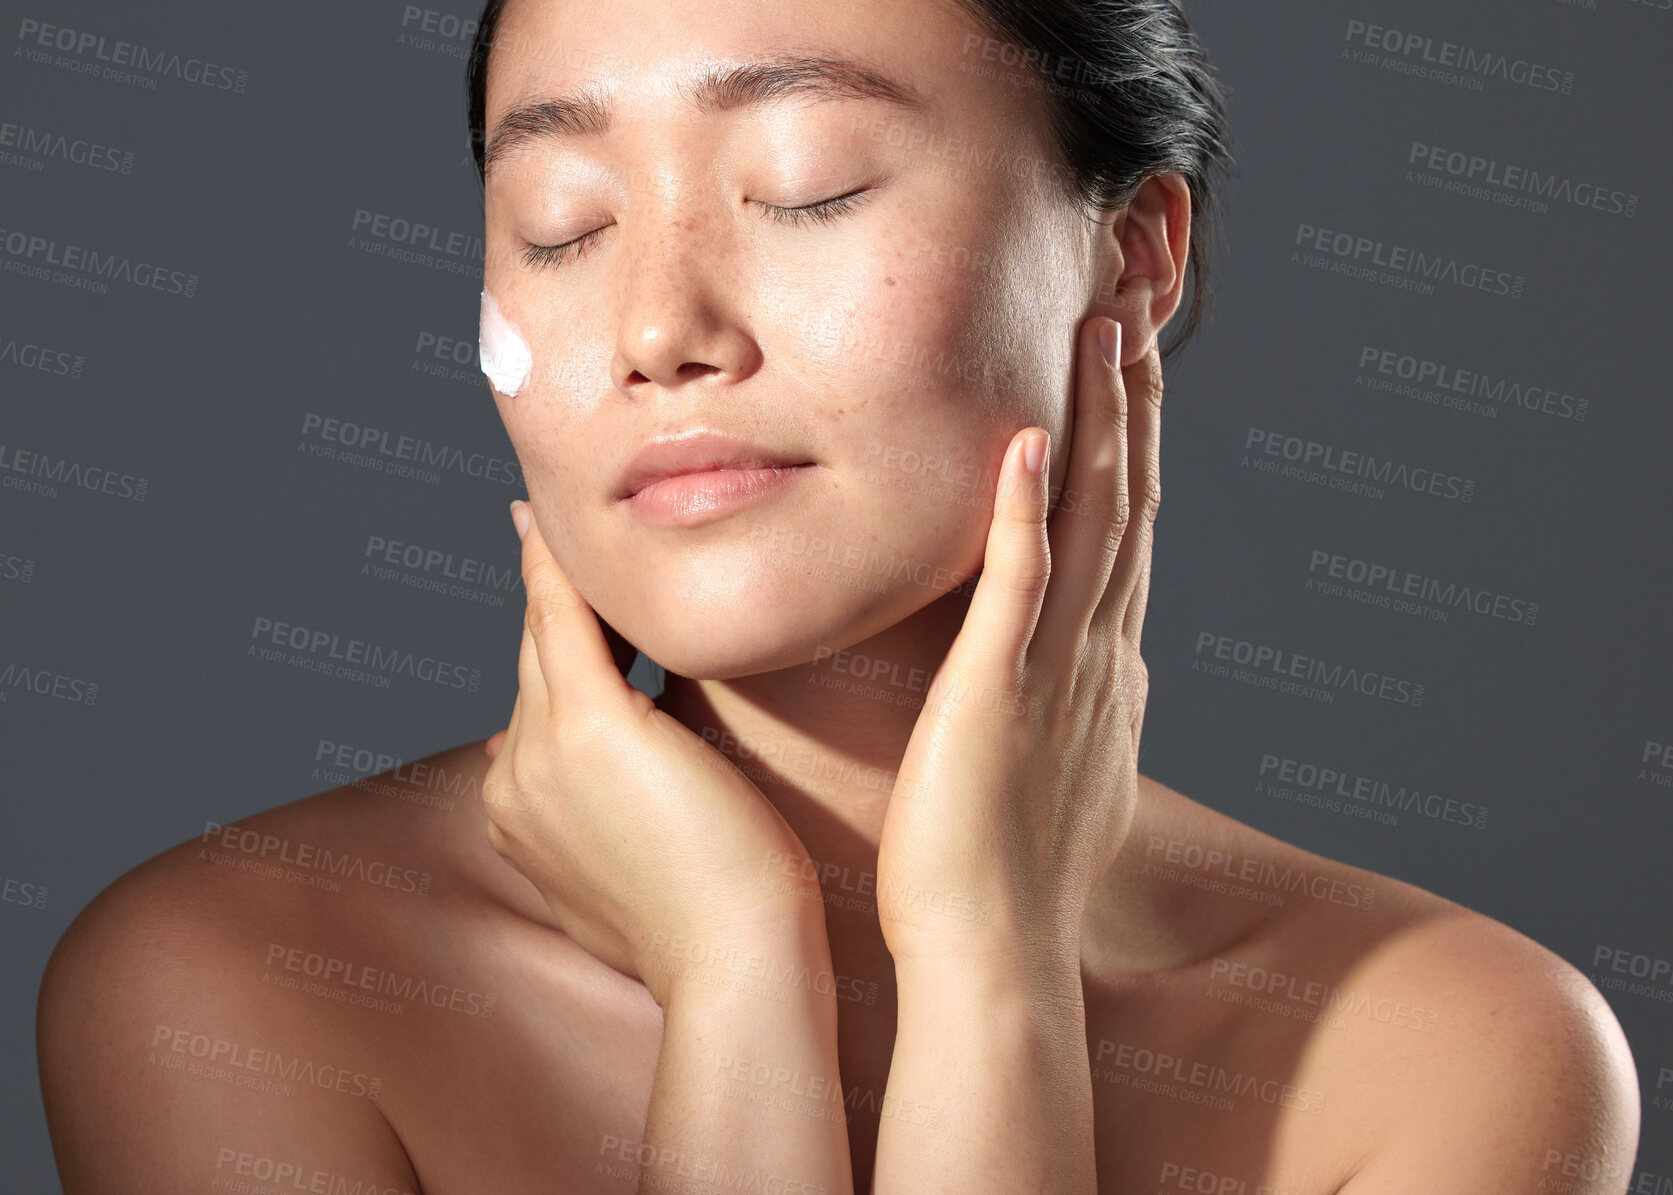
{"x":589,"y":112}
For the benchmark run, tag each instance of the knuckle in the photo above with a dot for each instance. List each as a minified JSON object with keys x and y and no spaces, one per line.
{"x":1152,"y":495}
{"x":540,"y":615}
{"x":1027,"y":575}
{"x":1118,"y":410}
{"x":1114,"y":533}
{"x":547,"y":600}
{"x":1031,"y":583}
{"x":496,"y":808}
{"x":1122,"y":515}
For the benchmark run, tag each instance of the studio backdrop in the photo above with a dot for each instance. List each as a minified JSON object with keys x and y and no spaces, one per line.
{"x":1411,"y":588}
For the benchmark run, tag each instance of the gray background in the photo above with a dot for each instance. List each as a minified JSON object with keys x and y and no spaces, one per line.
{"x":334,"y":109}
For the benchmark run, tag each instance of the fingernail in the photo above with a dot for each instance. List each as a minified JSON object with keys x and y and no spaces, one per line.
{"x":1107,"y":339}
{"x":1034,"y":452}
{"x":520,"y":517}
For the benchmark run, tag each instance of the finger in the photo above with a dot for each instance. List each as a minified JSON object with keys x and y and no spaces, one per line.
{"x":569,"y":645}
{"x":531,"y":679}
{"x":1133,"y":625}
{"x":1015,"y":568}
{"x":496,"y":742}
{"x":1092,"y":513}
{"x":1142,"y":704}
{"x":496,"y":783}
{"x":1123,"y":606}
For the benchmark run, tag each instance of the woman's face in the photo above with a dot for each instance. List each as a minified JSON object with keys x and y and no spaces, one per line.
{"x":897,"y":344}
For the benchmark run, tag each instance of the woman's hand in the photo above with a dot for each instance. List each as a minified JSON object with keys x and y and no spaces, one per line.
{"x":1020,"y":780}
{"x":648,"y":845}
{"x":652,"y":850}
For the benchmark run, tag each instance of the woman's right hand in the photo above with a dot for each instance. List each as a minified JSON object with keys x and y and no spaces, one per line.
{"x":651,"y":848}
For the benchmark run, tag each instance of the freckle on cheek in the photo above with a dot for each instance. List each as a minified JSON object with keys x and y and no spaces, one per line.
{"x":506,"y":356}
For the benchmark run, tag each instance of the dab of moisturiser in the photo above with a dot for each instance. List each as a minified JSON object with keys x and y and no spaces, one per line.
{"x":506,"y":357}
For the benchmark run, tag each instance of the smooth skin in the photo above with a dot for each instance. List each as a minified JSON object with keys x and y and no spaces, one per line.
{"x":1015,"y":792}
{"x":772,"y":923}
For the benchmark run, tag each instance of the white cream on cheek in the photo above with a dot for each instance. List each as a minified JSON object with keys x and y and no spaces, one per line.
{"x":506,"y":356}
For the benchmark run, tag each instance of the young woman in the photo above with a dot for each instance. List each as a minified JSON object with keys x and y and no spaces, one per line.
{"x":828,"y":339}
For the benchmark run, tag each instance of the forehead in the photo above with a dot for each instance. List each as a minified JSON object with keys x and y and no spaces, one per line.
{"x":655,"y":56}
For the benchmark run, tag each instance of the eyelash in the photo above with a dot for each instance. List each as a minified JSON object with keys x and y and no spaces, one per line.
{"x":825,"y":211}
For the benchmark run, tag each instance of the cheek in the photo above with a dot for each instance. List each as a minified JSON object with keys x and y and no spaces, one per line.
{"x":936,"y":351}
{"x":539,"y":357}
{"x":954,"y":332}
{"x":560,"y":472}
{"x":890,"y":330}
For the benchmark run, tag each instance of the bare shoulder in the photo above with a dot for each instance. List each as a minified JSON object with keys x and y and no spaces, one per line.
{"x":1523,"y":1078}
{"x":1475,"y":1058}
{"x":171,"y":1059}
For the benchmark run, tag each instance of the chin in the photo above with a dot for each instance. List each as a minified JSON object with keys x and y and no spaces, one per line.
{"x":731,"y":643}
{"x":748,"y":625}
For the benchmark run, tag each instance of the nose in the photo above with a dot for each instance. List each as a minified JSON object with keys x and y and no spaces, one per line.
{"x":683,"y":304}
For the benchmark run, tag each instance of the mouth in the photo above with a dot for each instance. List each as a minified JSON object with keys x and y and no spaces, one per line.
{"x":697,"y":496}
{"x":699,"y":452}
{"x":741,"y":471}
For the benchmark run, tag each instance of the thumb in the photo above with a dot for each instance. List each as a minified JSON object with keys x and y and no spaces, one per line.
{"x":1006,"y":605}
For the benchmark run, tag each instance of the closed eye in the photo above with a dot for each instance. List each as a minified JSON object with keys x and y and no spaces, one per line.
{"x":551,"y":255}
{"x":824,"y":211}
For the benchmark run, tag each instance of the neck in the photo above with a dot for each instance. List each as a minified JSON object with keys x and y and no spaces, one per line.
{"x":822,"y":740}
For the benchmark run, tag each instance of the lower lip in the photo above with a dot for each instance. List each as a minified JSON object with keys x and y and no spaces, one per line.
{"x":692,"y":499}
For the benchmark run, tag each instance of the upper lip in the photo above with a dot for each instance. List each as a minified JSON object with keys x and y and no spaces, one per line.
{"x":698,"y":451}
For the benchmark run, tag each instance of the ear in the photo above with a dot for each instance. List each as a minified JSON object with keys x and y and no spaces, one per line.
{"x":1142,"y":256}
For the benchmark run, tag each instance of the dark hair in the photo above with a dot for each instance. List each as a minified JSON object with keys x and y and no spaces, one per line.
{"x":1132,"y":94}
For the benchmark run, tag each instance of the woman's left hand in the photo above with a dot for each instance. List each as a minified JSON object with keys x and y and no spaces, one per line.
{"x":1020,"y":781}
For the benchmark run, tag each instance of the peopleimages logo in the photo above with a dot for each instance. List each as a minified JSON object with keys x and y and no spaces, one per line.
{"x":36,"y":472}
{"x":36,"y":39}
{"x":1326,"y":781}
{"x":1413,"y":269}
{"x":359,"y":443}
{"x":264,"y":848}
{"x":33,"y":146}
{"x":1268,"y":664}
{"x":1422,"y":54}
{"x":1388,"y":585}
{"x":216,"y":1051}
{"x":415,"y":233}
{"x":30,"y":255}
{"x":324,"y":651}
{"x":1348,"y":469}
{"x":400,"y":988}
{"x":60,"y":362}
{"x":44,"y":682}
{"x":1393,"y":366}
{"x":1473,"y":175}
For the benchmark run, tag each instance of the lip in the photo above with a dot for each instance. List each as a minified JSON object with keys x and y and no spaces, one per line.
{"x":698,"y":451}
{"x":692,"y":499}
{"x":702,"y":475}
